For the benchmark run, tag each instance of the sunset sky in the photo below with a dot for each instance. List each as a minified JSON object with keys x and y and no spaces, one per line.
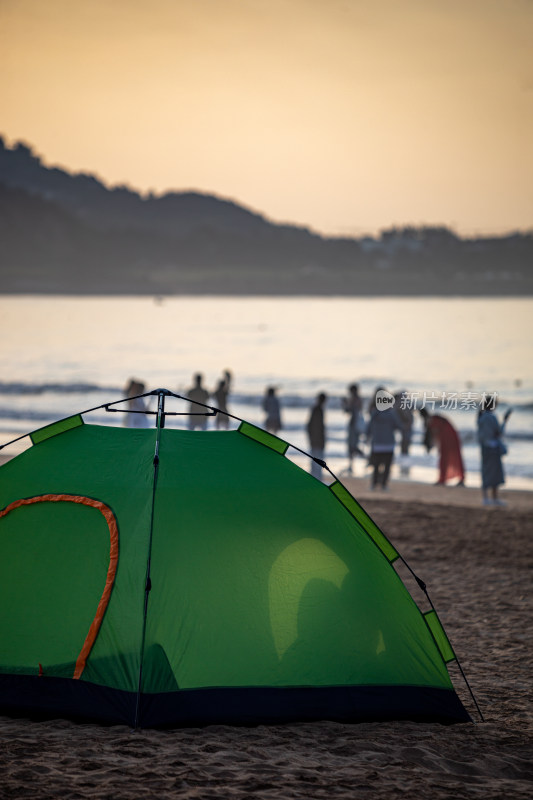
{"x":346,"y":116}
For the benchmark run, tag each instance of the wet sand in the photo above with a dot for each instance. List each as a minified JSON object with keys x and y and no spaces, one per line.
{"x":477,"y":565}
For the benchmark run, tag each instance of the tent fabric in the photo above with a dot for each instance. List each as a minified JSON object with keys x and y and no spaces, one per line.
{"x":223,"y":583}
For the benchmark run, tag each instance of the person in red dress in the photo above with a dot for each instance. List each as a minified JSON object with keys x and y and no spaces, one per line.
{"x":440,"y":432}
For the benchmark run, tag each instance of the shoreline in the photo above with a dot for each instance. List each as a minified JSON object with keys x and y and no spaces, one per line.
{"x":334,"y":294}
{"x":405,"y":491}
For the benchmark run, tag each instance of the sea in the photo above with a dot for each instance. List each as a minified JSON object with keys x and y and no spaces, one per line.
{"x":64,"y":355}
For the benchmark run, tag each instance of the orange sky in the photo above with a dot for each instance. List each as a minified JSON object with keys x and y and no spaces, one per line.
{"x":344,"y":115}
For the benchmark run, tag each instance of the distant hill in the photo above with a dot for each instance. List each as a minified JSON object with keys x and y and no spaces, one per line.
{"x":69,"y":233}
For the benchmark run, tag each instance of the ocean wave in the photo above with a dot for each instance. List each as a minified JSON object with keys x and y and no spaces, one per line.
{"x":19,"y":388}
{"x":288,"y":399}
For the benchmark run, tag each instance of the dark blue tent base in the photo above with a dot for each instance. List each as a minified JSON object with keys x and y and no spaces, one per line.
{"x":43,"y":697}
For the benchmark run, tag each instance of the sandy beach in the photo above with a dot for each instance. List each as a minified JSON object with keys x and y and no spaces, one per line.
{"x":476,"y":563}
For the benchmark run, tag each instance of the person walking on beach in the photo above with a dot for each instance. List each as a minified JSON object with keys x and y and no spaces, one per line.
{"x":380,"y":432}
{"x":316,"y":432}
{"x":490,"y":434}
{"x":272,"y":409}
{"x":197,"y":394}
{"x":440,"y":431}
{"x":407,"y":419}
{"x":353,"y":405}
{"x":220,"y":396}
{"x":135,"y":416}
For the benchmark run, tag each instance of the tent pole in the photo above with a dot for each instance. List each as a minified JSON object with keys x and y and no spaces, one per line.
{"x":160,"y":422}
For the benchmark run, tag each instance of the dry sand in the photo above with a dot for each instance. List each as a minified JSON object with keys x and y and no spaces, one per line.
{"x":476,"y":563}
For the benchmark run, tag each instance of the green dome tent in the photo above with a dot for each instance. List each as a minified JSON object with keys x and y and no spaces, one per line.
{"x":167,"y":577}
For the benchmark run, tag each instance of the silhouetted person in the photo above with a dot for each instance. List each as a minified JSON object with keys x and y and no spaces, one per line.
{"x":440,"y":431}
{"x":220,"y":396}
{"x":228,"y":377}
{"x":490,"y":434}
{"x":380,"y":433}
{"x":407,"y":419}
{"x":133,"y":418}
{"x":272,"y":409}
{"x":316,"y":431}
{"x":353,"y":405}
{"x":197,"y":394}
